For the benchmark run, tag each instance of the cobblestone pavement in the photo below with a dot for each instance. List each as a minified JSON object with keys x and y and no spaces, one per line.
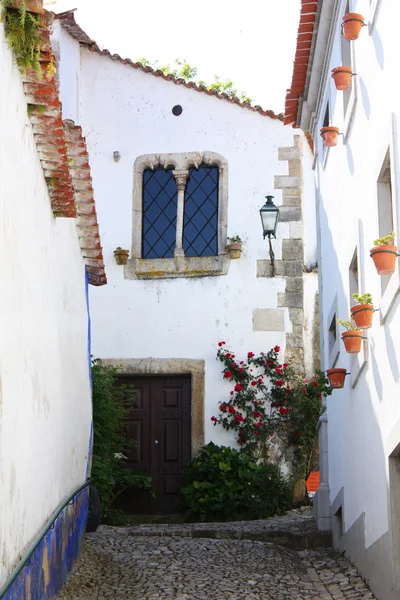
{"x":213,"y":562}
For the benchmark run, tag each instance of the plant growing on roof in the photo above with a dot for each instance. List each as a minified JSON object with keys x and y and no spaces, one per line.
{"x":24,"y":35}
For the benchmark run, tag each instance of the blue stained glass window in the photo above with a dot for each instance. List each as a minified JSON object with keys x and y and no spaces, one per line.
{"x":160,"y":196}
{"x":200,"y":220}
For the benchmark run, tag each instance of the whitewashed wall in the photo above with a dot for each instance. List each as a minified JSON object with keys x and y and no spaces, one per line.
{"x":45,"y":407}
{"x":123,"y":109}
{"x":364,"y":418}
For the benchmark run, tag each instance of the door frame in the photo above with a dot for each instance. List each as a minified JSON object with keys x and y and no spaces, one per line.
{"x":172,"y":366}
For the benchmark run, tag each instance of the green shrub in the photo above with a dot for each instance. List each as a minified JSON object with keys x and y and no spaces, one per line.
{"x":110,"y":476}
{"x":222,"y":484}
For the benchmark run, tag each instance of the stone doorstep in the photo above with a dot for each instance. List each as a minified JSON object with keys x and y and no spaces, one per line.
{"x":288,"y":539}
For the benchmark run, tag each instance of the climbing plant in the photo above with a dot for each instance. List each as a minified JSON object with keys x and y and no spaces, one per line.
{"x":183,"y":70}
{"x":24,"y":34}
{"x":271,"y":403}
{"x":109,"y":473}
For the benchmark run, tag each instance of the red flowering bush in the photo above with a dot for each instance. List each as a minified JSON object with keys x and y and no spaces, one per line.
{"x":270,"y":399}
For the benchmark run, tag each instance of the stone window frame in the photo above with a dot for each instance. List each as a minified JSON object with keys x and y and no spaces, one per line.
{"x":172,"y":366}
{"x":180,"y":265}
{"x":392,"y":290}
{"x":350,"y":110}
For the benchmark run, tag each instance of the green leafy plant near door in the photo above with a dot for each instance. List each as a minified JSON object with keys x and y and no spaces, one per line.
{"x":24,"y":34}
{"x":110,"y":446}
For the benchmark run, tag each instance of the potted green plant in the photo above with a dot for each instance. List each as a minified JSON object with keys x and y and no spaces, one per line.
{"x":352,"y":337}
{"x":121,"y":256}
{"x":336,"y":377}
{"x":384,"y":254}
{"x":234,"y":247}
{"x":363,"y":310}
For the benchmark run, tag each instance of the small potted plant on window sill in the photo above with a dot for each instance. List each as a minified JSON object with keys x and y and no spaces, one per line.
{"x":336,"y":377}
{"x":234,"y":247}
{"x":363,"y":311}
{"x":330,"y":136}
{"x":352,"y":338}
{"x":384,"y":254}
{"x":121,"y":256}
{"x":342,"y":77}
{"x":352,"y":23}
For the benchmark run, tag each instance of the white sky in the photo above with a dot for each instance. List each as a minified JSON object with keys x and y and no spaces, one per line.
{"x":252,"y":43}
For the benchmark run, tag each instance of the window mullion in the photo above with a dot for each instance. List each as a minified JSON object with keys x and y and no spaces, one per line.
{"x":181,"y":177}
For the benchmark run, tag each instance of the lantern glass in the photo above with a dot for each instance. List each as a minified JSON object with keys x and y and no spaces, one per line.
{"x":269,"y":217}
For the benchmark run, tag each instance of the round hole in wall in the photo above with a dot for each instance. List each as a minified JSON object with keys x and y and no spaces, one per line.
{"x":177,"y":110}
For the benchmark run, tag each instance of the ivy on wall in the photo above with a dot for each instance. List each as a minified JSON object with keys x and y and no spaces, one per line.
{"x":23,"y":31}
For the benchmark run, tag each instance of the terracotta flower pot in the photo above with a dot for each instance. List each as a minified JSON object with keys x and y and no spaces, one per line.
{"x":35,"y":6}
{"x":336,"y":377}
{"x":384,"y":257}
{"x":121,"y":256}
{"x":342,"y":77}
{"x":362,"y":315}
{"x":330,"y":136}
{"x":352,"y":24}
{"x":234,"y":250}
{"x":352,"y":341}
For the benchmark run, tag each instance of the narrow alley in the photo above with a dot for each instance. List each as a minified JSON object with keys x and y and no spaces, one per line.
{"x":281,"y":558}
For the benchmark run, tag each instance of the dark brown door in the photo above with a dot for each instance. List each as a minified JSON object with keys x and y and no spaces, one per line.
{"x":159,"y":421}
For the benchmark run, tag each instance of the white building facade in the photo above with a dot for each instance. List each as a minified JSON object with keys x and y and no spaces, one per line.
{"x":45,"y":390}
{"x":163,"y":314}
{"x":357,"y":197}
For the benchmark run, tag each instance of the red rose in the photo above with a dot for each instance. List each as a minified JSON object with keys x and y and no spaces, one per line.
{"x":288,"y":388}
{"x":231,"y":409}
{"x":220,"y":344}
{"x":234,"y":364}
{"x":241,"y":362}
{"x":240,"y":441}
{"x":256,"y":414}
{"x":233,"y":356}
{"x":277,"y":348}
{"x":279,"y":382}
{"x":315,"y":383}
{"x":238,"y":387}
{"x":238,"y":418}
{"x":279,"y":371}
{"x":285,"y":365}
{"x":241,"y":370}
{"x":257,"y":425}
{"x":239,"y":407}
{"x":260,"y":381}
{"x":270,"y":363}
{"x":304,"y":391}
{"x":250,"y":354}
{"x":228,"y":374}
{"x":271,"y":434}
{"x":282,"y":410}
{"x":214,"y":419}
{"x":227,"y":355}
{"x":253,"y":383}
{"x":273,"y":405}
{"x":223,"y":407}
{"x":256,"y":432}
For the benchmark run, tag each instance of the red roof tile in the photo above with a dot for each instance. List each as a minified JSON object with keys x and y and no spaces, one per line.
{"x":68,"y":22}
{"x":56,"y":150}
{"x":300,"y":67}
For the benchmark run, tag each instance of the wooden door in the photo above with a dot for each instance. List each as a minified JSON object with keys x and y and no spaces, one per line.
{"x":159,"y":421}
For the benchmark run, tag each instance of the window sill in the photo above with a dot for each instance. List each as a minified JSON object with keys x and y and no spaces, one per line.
{"x":166,"y":268}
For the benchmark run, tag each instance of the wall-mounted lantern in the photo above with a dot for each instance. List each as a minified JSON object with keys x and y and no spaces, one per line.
{"x":269,"y":218}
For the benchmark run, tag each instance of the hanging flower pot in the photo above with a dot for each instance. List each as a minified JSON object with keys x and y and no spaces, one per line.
{"x":336,"y":377}
{"x":363,"y":312}
{"x":384,"y":254}
{"x":234,"y":247}
{"x":352,"y":341}
{"x":352,"y":24}
{"x":330,"y":136}
{"x":342,"y":77}
{"x":384,"y":257}
{"x":121,"y":256}
{"x":362,"y":315}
